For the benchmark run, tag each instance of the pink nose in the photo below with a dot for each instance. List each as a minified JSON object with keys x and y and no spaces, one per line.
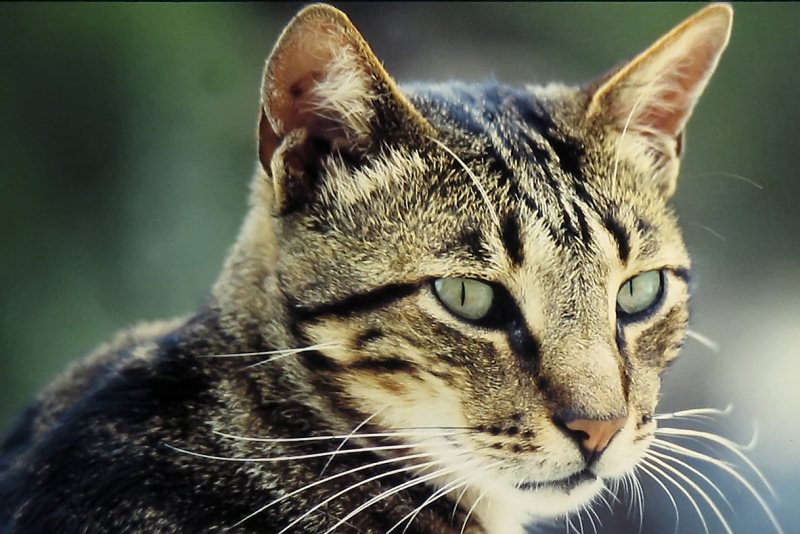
{"x":595,"y":435}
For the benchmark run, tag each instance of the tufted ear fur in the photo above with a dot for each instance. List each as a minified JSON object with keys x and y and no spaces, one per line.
{"x":325,"y":94}
{"x":649,"y":99}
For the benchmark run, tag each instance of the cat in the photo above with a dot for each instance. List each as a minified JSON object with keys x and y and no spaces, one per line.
{"x":447,"y":311}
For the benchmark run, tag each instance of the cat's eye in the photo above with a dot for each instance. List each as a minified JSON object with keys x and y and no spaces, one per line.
{"x":640,"y":293}
{"x":465,"y":297}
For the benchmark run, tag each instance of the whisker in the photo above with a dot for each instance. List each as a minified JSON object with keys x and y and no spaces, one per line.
{"x":454,"y":485}
{"x":423,"y":432}
{"x":292,"y":353}
{"x":355,"y":430}
{"x":732,"y":175}
{"x":351,"y":488}
{"x":685,"y":492}
{"x":728,"y":444}
{"x":697,"y":412}
{"x":409,"y":517}
{"x":330,"y":478}
{"x":643,"y":467}
{"x":692,"y":470}
{"x":693,"y":485}
{"x":280,"y":353}
{"x":637,"y":499}
{"x":481,"y":495}
{"x":700,"y":338}
{"x":291,"y":458}
{"x":474,"y":179}
{"x":591,"y":514}
{"x":458,"y":500}
{"x":397,"y":489}
{"x":618,"y":153}
{"x":685,"y":451}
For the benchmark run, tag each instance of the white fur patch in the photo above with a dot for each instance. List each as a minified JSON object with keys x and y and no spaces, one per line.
{"x":345,"y":92}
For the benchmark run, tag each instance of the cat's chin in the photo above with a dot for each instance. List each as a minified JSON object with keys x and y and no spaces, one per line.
{"x":507,"y":509}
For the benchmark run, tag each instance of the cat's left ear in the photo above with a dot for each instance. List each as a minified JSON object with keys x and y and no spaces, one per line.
{"x":649,"y":99}
{"x":325,"y":93}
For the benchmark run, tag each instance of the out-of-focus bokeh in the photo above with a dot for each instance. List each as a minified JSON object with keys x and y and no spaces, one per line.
{"x":127,"y":137}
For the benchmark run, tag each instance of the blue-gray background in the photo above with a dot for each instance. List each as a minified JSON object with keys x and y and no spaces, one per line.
{"x":127,"y":137}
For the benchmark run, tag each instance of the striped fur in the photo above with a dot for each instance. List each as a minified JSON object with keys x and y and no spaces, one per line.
{"x":324,"y":386}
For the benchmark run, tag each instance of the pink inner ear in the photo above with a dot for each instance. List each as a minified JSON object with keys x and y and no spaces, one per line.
{"x":302,"y":60}
{"x":670,"y":109}
{"x":293,"y":69}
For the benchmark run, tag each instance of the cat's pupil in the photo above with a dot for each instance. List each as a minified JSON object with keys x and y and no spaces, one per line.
{"x":464,"y":297}
{"x":640,"y":293}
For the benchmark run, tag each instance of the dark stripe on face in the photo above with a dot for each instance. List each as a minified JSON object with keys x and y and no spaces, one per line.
{"x":512,"y":239}
{"x":315,"y":361}
{"x":473,"y":241}
{"x":388,"y":364}
{"x":585,"y":196}
{"x":524,"y":345}
{"x":569,"y":151}
{"x":358,"y":303}
{"x":620,"y":236}
{"x":586,"y":234}
{"x":366,"y":337}
{"x":500,"y":167}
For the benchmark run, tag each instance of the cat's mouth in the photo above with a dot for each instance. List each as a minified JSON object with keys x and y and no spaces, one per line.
{"x":563,"y":484}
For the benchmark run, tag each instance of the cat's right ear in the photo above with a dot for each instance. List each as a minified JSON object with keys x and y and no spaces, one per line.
{"x":324,"y":93}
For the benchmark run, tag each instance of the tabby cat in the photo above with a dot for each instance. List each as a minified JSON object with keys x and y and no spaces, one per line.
{"x":447,"y":311}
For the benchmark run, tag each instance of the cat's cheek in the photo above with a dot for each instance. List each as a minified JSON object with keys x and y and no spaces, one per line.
{"x":396,"y":400}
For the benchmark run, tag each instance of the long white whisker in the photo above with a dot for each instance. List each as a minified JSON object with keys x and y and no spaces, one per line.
{"x":392,"y":491}
{"x":458,"y":500}
{"x":328,"y":479}
{"x":472,"y":509}
{"x":692,"y":470}
{"x":651,"y":463}
{"x":447,"y":488}
{"x":351,"y":488}
{"x":350,"y":435}
{"x":728,"y":444}
{"x":279,"y":353}
{"x":643,"y":467}
{"x":732,"y":472}
{"x":640,"y":498}
{"x":591,"y":515}
{"x":422,"y":432}
{"x":696,"y":487}
{"x":454,"y":485}
{"x":697,"y":412}
{"x":618,"y":153}
{"x":474,"y":179}
{"x":290,"y":458}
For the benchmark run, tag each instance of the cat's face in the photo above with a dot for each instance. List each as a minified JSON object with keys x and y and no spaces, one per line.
{"x":492,"y":271}
{"x":554,"y":343}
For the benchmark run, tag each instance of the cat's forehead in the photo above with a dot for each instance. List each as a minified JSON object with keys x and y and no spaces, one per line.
{"x":540,"y":173}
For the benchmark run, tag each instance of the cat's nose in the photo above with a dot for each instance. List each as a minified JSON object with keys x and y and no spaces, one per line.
{"x":594,"y":435}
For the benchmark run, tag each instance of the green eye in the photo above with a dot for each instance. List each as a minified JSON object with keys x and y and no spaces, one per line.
{"x":640,"y":293}
{"x":464,"y":297}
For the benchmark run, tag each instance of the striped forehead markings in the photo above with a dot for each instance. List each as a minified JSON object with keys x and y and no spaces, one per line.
{"x":512,"y":239}
{"x":620,"y":235}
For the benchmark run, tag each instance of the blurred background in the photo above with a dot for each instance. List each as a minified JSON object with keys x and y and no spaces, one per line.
{"x":127,"y":141}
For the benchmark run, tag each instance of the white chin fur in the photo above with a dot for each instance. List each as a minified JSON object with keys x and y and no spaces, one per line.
{"x":507,"y":510}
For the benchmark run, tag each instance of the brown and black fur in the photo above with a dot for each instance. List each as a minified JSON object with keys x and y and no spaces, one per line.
{"x":364,"y":196}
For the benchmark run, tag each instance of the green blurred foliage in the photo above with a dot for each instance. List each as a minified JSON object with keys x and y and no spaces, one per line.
{"x":127,"y":137}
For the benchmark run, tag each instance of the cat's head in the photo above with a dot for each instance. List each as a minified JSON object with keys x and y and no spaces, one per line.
{"x":492,"y":270}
